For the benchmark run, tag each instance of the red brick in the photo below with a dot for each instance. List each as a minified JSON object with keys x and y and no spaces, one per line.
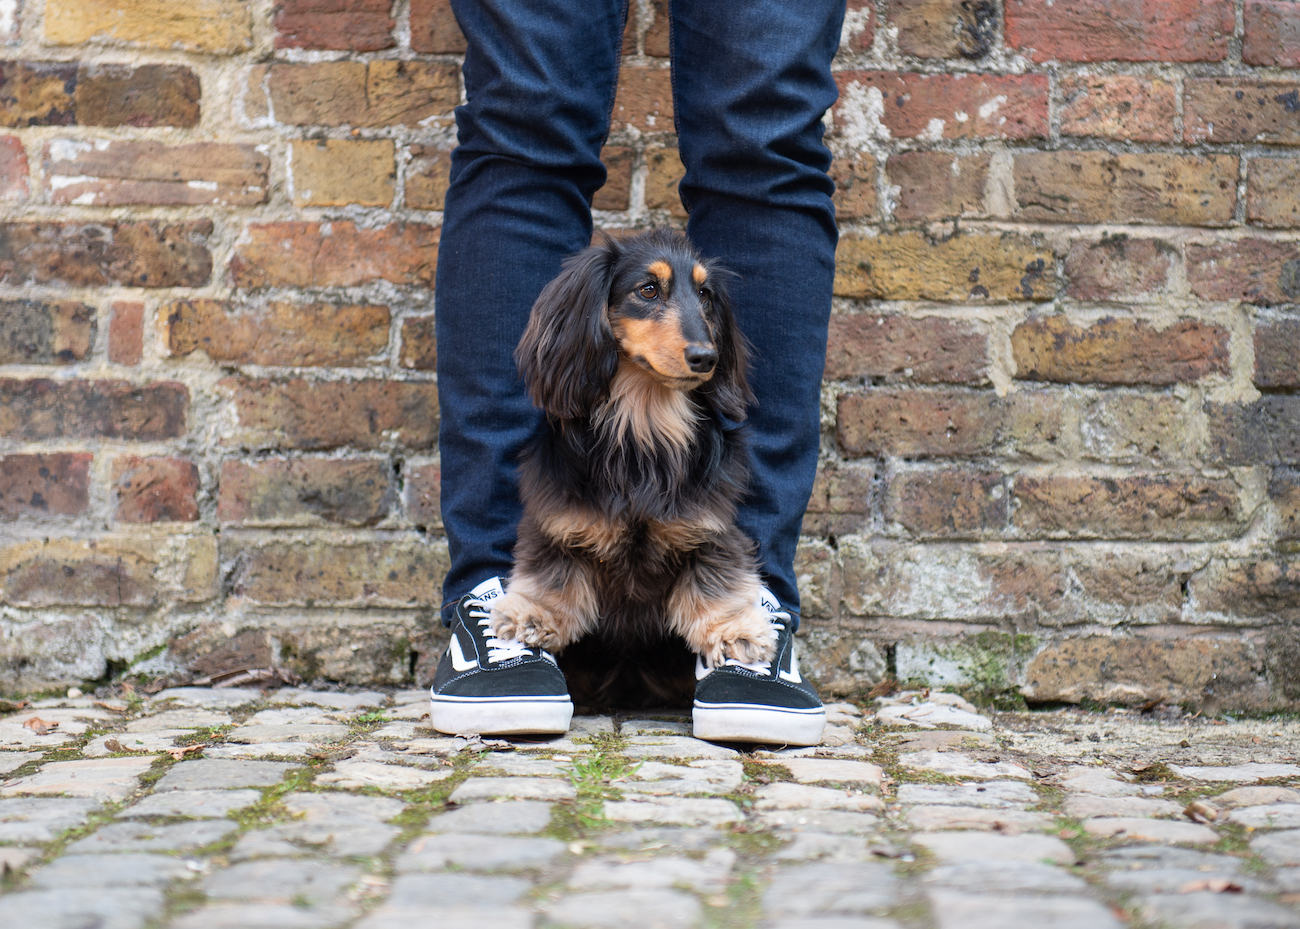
{"x":306,"y":414}
{"x":949,"y":423}
{"x":1096,"y":187}
{"x":1253,"y":270}
{"x":384,"y":92}
{"x":39,"y":409}
{"x":859,"y":26}
{"x":304,"y":492}
{"x":421,"y":493}
{"x":35,"y":332}
{"x":143,"y":254}
{"x":938,"y":185}
{"x":428,"y":175}
{"x":947,"y":106}
{"x":1222,"y":109}
{"x":1284,"y":493}
{"x":965,"y":267}
{"x":419,"y":344}
{"x":397,"y":574}
{"x":109,"y":571}
{"x":44,"y":485}
{"x":1118,"y":267}
{"x":149,"y":95}
{"x":279,"y":333}
{"x":1120,"y":30}
{"x":855,"y":186}
{"x":948,"y":504}
{"x":1277,"y":361}
{"x":644,"y":99}
{"x":1118,"y":351}
{"x":1273,"y":192}
{"x":1272,"y":33}
{"x":13,"y":170}
{"x":434,"y":29}
{"x":1118,"y":106}
{"x":349,"y":25}
{"x":658,"y":34}
{"x":617,"y":191}
{"x":114,"y":173}
{"x":841,"y":500}
{"x":1266,"y":431}
{"x":155,"y":490}
{"x":337,"y":254}
{"x":944,"y":28}
{"x":1161,"y":506}
{"x":126,"y":333}
{"x":931,"y":350}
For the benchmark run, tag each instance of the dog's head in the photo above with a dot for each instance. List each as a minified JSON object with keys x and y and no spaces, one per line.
{"x":649,"y":300}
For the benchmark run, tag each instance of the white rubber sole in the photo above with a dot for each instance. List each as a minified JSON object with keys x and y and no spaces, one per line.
{"x":744,"y":722}
{"x":500,"y":716}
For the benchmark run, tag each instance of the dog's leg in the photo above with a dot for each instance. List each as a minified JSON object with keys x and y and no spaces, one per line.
{"x":548,"y":602}
{"x":715,"y":605}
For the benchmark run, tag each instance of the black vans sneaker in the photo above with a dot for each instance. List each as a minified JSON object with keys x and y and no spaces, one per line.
{"x":495,"y":686}
{"x":768,"y":702}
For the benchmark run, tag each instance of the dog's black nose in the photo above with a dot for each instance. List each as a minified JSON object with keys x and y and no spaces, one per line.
{"x":701,"y":358}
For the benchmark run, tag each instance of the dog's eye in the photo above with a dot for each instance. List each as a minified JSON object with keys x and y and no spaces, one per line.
{"x":649,"y":291}
{"x":704,"y":295}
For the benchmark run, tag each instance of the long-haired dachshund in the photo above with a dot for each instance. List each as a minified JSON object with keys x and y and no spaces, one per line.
{"x":630,"y":494}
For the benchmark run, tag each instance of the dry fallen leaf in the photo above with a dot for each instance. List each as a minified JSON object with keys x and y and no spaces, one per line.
{"x":113,"y":745}
{"x":40,"y":726}
{"x":13,"y":706}
{"x":111,"y":707}
{"x":1215,"y":885}
{"x":181,"y":752}
{"x":1201,"y":812}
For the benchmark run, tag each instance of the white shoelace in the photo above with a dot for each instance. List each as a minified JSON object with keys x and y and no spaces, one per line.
{"x":498,"y":649}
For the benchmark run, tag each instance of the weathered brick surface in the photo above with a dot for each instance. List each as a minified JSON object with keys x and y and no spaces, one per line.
{"x":337,"y":254}
{"x":14,"y":185}
{"x":419,"y":344}
{"x":126,"y":333}
{"x":350,"y":25}
{"x":944,"y":28}
{"x":279,"y":333}
{"x":644,"y":99}
{"x":664,"y":171}
{"x":938,"y":185}
{"x":212,"y":26}
{"x":420,"y":495}
{"x":1272,"y":35}
{"x":841,"y":500}
{"x":38,"y":409}
{"x":298,"y":413}
{"x":1160,"y":506}
{"x":942,"y":106}
{"x":1261,"y":271}
{"x":1266,"y":431}
{"x":951,"y":503}
{"x":154,"y":490}
{"x":1118,"y":106}
{"x":1284,"y":494}
{"x":949,"y":423}
{"x":377,"y":574}
{"x":912,"y":266}
{"x":1241,"y":110}
{"x":1273,"y":192}
{"x":1267,"y":586}
{"x":1277,"y":361}
{"x":428,"y":174}
{"x":927,"y":351}
{"x":616,"y":194}
{"x":353,"y":93}
{"x":35,"y":332}
{"x":41,"y":93}
{"x":1133,"y":428}
{"x":1120,"y":30}
{"x":434,"y":28}
{"x":1118,"y":351}
{"x":39,"y":486}
{"x":1118,"y":267}
{"x":336,"y":172}
{"x":304,"y":492}
{"x":116,"y":570}
{"x":859,"y":27}
{"x":855,"y":186}
{"x":1091,"y":187}
{"x":143,"y":254}
{"x":114,"y":173}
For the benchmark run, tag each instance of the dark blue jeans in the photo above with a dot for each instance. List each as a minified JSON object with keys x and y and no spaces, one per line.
{"x":751,"y":80}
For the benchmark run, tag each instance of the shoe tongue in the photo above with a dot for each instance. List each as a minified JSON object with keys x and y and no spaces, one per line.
{"x":488,"y":590}
{"x":769,"y":601}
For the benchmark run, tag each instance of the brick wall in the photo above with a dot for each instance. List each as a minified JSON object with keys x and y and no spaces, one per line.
{"x":1062,"y":427}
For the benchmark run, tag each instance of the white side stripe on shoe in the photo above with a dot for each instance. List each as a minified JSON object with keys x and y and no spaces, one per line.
{"x":458,"y":660}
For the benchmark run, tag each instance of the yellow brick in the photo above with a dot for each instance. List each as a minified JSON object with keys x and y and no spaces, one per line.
{"x":215,"y":26}
{"x":665,"y":172}
{"x":339,"y":172}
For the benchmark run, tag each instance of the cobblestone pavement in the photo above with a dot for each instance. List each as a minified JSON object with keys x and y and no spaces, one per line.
{"x":206,"y":809}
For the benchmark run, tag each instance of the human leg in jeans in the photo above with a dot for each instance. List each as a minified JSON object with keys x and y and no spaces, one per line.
{"x":751,"y":82}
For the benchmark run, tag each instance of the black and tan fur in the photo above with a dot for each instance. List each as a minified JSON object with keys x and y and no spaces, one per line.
{"x":628,"y":538}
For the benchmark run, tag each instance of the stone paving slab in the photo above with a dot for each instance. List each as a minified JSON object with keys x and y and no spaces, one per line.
{"x":180,"y":719}
{"x":704,"y":776}
{"x":1152,"y":830}
{"x":955,"y":910}
{"x":650,"y":909}
{"x":684,"y":812}
{"x":264,"y":916}
{"x":803,"y":797}
{"x":831,"y":888}
{"x":669,"y":746}
{"x":111,"y":870}
{"x":501,"y":917}
{"x":195,"y":804}
{"x":1240,"y":773}
{"x":94,"y":908}
{"x":12,"y":761}
{"x":335,"y":807}
{"x":143,"y":837}
{"x":441,"y":891}
{"x":220,"y":774}
{"x":1278,"y":848}
{"x":709,"y":874}
{"x":254,"y":751}
{"x":834,"y":822}
{"x":333,"y":839}
{"x":206,"y":697}
{"x":385,"y":776}
{"x":40,"y":819}
{"x":102,"y":779}
{"x":368,"y":699}
{"x":509,"y":818}
{"x":1216,"y":911}
{"x":974,"y":846}
{"x":1272,"y":816}
{"x":1257,"y":796}
{"x":512,"y":788}
{"x":289,"y":732}
{"x":815,"y":770}
{"x":956,"y":764}
{"x":1086,"y":806}
{"x":145,"y":742}
{"x":992,"y":795}
{"x":302,"y":883}
{"x":1007,"y":822}
{"x":1008,"y":877}
{"x":478,"y":853}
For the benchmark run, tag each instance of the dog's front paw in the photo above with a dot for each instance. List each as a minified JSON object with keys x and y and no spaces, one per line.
{"x":752,"y":641}
{"x":517,"y":618}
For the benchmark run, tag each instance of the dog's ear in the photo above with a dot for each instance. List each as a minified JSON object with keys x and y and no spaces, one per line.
{"x":729,"y":386}
{"x":568,"y":353}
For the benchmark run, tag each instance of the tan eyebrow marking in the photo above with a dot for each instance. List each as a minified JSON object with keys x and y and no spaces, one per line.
{"x":698,"y":274}
{"x":662,"y":270}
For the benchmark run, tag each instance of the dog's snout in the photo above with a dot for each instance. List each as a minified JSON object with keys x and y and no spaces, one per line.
{"x":701,"y":358}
